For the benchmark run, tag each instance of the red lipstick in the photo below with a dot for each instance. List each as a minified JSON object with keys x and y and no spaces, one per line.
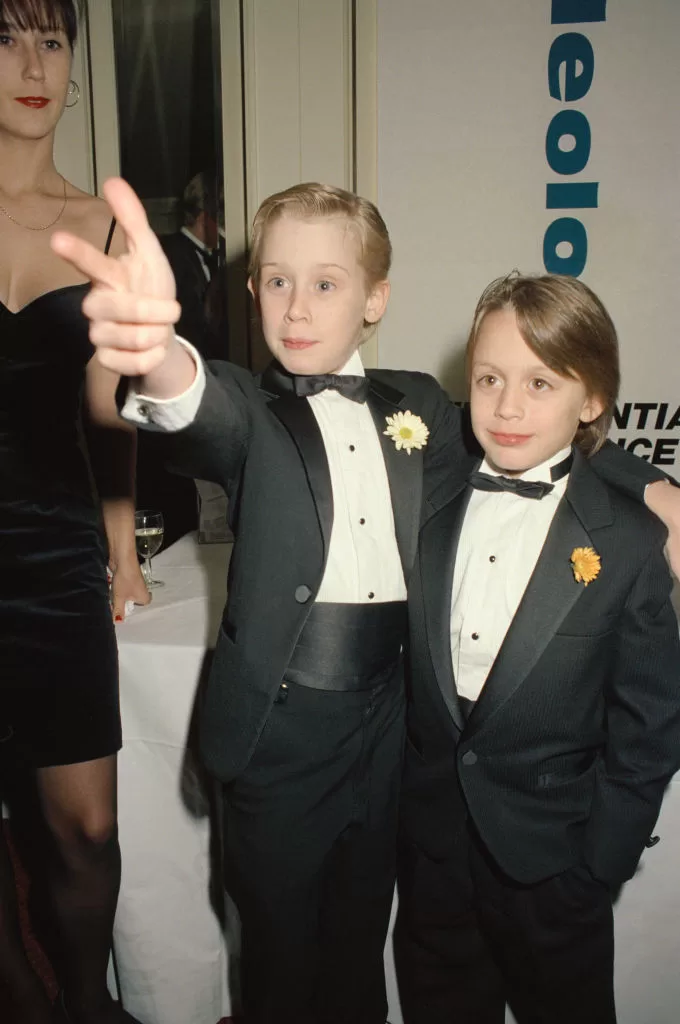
{"x":34,"y":102}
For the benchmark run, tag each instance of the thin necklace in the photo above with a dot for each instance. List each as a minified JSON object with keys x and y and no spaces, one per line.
{"x":43,"y":227}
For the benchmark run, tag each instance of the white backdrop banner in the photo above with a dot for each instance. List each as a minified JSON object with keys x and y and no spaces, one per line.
{"x":539,"y":135}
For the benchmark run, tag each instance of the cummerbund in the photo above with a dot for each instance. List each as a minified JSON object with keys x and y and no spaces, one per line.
{"x":349,"y":646}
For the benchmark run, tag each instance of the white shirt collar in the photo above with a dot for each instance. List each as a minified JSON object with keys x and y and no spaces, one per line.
{"x":353,"y":367}
{"x":196,"y":241}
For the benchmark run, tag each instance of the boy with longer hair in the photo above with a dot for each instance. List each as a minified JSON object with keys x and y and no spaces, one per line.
{"x":544,"y":720}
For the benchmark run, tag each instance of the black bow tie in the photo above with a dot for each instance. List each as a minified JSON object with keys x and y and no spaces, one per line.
{"x":212,"y":261}
{"x":524,"y":488}
{"x":278,"y":381}
{"x":354,"y":388}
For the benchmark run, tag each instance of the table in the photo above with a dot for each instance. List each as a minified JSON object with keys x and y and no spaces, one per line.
{"x":172,"y":954}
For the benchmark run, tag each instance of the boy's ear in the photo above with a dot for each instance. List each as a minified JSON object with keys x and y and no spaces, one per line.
{"x":376,"y":303}
{"x":592,"y":408}
{"x":252,"y":288}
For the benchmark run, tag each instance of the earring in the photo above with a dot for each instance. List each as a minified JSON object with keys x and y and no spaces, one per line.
{"x":72,"y":94}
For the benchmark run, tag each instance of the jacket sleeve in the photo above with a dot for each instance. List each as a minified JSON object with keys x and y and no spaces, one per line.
{"x":214,"y":445}
{"x":624,"y":471}
{"x":642,"y":725}
{"x":451,"y":452}
{"x":203,"y":433}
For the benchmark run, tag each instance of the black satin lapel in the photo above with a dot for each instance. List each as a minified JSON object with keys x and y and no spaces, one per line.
{"x":438,"y":547}
{"x":299,"y":420}
{"x":405,"y":475}
{"x":550,"y":595}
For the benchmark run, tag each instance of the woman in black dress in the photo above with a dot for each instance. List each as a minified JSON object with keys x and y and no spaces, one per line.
{"x":59,"y":714}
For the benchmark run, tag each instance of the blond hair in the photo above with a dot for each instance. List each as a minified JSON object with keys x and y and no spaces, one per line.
{"x":311,"y":200}
{"x":565,"y":324}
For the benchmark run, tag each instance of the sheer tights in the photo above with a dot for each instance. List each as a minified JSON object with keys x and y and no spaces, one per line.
{"x":82,"y":878}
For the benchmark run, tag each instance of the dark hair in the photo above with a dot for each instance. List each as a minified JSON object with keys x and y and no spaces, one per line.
{"x":42,"y":15}
{"x":565,"y":324}
{"x":200,"y":196}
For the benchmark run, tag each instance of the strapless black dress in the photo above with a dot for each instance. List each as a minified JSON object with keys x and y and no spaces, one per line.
{"x":58,"y":661}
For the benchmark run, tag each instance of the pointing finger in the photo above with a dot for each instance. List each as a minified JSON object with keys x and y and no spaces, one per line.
{"x":95,"y":265}
{"x":128,"y":211}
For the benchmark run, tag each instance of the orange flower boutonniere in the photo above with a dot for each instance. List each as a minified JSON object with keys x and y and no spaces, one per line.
{"x":585,"y":564}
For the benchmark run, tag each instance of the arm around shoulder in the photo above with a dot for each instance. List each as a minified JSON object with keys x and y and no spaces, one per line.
{"x":646,"y":483}
{"x":625,"y":471}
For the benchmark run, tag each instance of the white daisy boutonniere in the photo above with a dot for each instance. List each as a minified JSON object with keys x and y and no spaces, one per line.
{"x":407,"y":431}
{"x":585,"y":564}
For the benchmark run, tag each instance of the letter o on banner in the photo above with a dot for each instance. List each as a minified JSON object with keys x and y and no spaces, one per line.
{"x":568,"y":122}
{"x":571,"y":231}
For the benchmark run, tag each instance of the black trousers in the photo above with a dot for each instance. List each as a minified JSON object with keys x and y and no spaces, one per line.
{"x":310,"y":850}
{"x":468,"y":939}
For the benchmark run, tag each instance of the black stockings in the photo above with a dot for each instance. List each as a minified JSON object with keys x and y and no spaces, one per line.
{"x":82,"y":875}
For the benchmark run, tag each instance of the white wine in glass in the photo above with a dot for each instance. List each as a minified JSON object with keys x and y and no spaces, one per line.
{"x":148,"y":537}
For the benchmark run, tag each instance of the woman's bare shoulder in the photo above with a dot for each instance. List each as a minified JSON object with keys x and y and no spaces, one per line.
{"x":87,"y":216}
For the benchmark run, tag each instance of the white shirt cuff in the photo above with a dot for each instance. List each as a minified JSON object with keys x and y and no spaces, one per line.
{"x":166,"y":414}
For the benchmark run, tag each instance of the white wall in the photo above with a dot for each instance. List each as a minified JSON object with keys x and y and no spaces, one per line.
{"x":463,"y":109}
{"x":73,"y":141}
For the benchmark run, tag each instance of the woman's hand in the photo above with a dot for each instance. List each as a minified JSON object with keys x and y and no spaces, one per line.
{"x":132,"y":305}
{"x":127,"y":585}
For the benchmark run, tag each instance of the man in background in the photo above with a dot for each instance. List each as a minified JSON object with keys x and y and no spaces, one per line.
{"x":192,"y":252}
{"x":193,"y":255}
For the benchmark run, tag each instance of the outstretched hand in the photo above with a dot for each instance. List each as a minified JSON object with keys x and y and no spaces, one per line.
{"x":131,"y":306}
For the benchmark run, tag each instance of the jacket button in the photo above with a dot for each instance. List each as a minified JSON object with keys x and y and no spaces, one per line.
{"x":469,"y":758}
{"x":302,"y":594}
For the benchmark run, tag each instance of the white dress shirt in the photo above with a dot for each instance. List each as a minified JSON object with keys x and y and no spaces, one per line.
{"x":500,"y":542}
{"x":363,"y":564}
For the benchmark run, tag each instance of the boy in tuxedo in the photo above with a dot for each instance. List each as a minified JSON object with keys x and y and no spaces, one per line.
{"x":327,"y":468}
{"x":544,"y":718}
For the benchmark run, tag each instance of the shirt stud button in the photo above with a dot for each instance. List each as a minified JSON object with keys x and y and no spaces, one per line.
{"x":492,"y":558}
{"x":361,"y":522}
{"x":352,"y":448}
{"x":475,"y":636}
{"x":371,"y":596}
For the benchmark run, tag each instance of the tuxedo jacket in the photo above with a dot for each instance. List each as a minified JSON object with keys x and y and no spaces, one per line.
{"x":576,"y":733}
{"x":266,"y":450}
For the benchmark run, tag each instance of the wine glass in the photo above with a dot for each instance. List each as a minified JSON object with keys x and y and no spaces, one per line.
{"x":148,"y":537}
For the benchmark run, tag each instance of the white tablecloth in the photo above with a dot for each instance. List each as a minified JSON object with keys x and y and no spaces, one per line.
{"x":170,"y":950}
{"x":172,"y":955}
